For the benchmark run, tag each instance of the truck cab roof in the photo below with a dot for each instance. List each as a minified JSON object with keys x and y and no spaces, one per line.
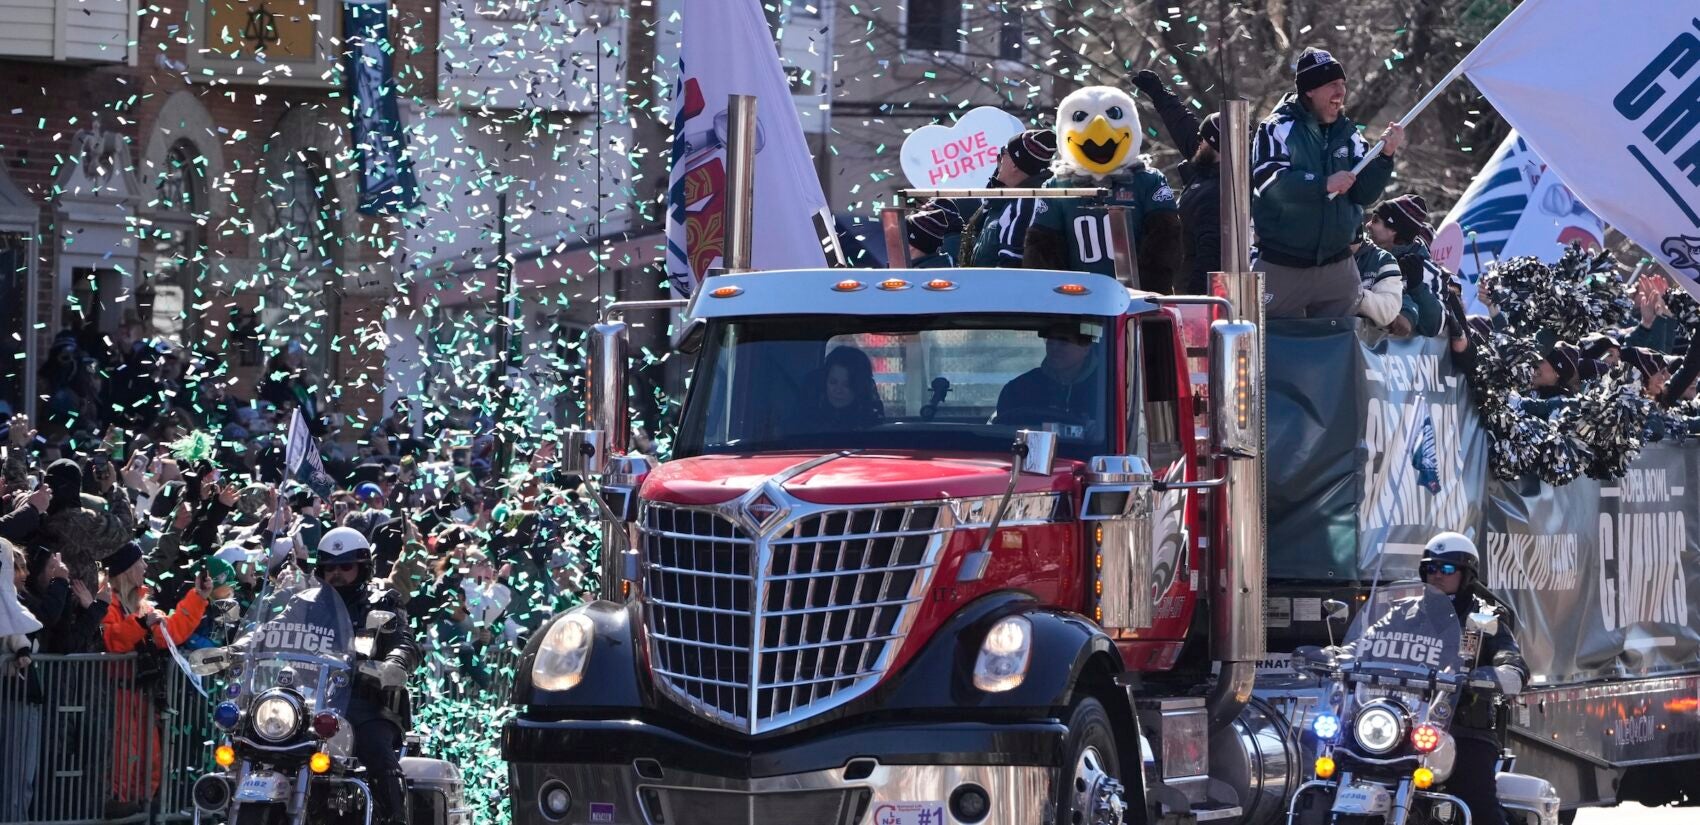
{"x":914,"y":292}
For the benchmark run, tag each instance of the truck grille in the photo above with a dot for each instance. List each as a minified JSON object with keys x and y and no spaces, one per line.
{"x":758,"y":631}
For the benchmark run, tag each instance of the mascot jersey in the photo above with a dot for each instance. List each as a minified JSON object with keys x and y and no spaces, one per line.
{"x":1085,"y":224}
{"x":1098,"y":141}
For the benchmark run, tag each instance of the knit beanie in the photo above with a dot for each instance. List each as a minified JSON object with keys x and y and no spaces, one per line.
{"x":1033,"y":150}
{"x":1210,"y":131}
{"x":1565,"y":361}
{"x":929,"y":225}
{"x":1598,"y":344}
{"x":1643,"y":361}
{"x":1317,"y":68}
{"x":66,"y":478}
{"x":1408,"y":216}
{"x":123,"y":558}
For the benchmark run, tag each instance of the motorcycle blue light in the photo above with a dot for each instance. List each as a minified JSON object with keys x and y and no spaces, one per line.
{"x":1326,"y":726}
{"x":226,"y":715}
{"x":233,"y":691}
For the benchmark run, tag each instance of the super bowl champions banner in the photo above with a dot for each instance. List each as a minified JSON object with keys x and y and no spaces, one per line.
{"x":1379,"y":448}
{"x":1616,"y":118}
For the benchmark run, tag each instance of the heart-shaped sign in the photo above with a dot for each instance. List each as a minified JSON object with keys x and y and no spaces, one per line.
{"x":964,"y":154}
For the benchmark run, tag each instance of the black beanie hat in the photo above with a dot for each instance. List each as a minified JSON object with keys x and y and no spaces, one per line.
{"x":1317,"y":68}
{"x":1596,"y":345}
{"x":1644,"y":361}
{"x":1033,"y":150}
{"x":929,"y":225}
{"x":1565,"y":361}
{"x":66,"y":478}
{"x":1210,"y":131}
{"x":123,"y":558}
{"x":1408,"y":217}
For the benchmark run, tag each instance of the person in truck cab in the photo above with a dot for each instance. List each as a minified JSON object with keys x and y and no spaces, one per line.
{"x":841,"y":394}
{"x":1451,"y":564}
{"x":1064,"y":388}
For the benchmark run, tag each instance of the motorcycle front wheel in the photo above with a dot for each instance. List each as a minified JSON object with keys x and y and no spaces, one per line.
{"x":259,"y":814}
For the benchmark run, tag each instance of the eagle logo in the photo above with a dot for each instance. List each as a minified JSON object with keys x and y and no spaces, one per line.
{"x":1683,"y":251}
{"x":1425,"y":457}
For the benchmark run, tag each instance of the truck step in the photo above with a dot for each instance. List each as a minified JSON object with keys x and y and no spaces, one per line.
{"x":1216,"y":814}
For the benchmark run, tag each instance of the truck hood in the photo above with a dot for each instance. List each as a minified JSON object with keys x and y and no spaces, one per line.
{"x":859,"y":478}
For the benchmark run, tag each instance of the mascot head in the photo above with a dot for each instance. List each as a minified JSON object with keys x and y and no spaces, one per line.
{"x":1097,"y":133}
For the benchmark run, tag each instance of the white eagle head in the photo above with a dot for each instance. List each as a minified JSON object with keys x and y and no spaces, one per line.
{"x":1098,"y":133}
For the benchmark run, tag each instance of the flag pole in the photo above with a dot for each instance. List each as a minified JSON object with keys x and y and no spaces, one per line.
{"x":1457,"y":72}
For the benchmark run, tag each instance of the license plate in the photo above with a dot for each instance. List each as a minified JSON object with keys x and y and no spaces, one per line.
{"x":1362,"y":799}
{"x":262,"y":786}
{"x":909,"y":813}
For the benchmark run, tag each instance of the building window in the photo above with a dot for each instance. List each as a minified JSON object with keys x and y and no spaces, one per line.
{"x":304,"y":258}
{"x":1010,"y":33}
{"x":934,"y":25}
{"x":171,"y":248}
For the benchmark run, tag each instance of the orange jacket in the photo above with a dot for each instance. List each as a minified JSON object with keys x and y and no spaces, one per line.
{"x":123,"y":632}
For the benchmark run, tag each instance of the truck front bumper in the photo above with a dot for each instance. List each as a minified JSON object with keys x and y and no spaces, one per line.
{"x":630,"y":772}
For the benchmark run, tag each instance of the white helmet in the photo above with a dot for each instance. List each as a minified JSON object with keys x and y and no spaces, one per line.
{"x":342,"y":545}
{"x":1453,"y":548}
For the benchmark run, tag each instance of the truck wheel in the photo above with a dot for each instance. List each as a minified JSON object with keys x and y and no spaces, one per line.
{"x":1091,"y":791}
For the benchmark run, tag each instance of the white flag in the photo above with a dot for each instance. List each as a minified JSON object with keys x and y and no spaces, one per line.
{"x":1608,"y":93}
{"x":300,"y":440}
{"x":1512,"y":208}
{"x":728,"y":49}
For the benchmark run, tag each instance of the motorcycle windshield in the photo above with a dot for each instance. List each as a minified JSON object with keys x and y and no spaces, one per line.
{"x":1407,"y":626}
{"x":298,"y":636}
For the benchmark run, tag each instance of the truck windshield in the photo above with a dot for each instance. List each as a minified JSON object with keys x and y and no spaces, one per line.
{"x":931,"y":383}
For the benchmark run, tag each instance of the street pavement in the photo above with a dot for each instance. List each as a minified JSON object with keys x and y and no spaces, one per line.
{"x":1638,"y":815}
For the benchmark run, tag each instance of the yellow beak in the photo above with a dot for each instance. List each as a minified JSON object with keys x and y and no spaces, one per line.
{"x":1100,"y":148}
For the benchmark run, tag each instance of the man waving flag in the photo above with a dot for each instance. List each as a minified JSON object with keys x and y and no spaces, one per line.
{"x":1608,"y":93}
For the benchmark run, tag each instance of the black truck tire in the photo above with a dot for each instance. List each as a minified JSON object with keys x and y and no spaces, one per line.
{"x":1088,"y":755}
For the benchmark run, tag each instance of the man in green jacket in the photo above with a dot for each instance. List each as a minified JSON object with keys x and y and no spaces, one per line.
{"x":1303,"y":153}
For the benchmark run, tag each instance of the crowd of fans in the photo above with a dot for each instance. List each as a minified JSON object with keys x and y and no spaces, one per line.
{"x":147,"y":506}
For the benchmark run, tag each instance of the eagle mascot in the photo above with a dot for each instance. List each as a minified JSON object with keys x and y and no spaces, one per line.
{"x":1098,"y":142}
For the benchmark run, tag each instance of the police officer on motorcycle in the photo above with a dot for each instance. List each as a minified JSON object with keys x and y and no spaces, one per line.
{"x":379,"y":709}
{"x":1451,"y":564}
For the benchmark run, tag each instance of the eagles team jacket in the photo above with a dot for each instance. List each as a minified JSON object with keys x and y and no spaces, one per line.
{"x":1291,"y":159}
{"x":1084,"y":225}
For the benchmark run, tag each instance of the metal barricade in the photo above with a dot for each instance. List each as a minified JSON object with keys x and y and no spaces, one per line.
{"x":60,"y":733}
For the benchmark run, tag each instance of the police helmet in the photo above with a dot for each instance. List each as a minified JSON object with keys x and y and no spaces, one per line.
{"x":1451,"y":548}
{"x":343,"y":545}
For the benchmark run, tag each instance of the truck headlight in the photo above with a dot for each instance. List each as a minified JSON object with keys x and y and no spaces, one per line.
{"x":1004,"y":655}
{"x":565,"y":651}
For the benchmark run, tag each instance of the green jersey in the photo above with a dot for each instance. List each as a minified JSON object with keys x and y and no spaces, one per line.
{"x":1084,"y":224}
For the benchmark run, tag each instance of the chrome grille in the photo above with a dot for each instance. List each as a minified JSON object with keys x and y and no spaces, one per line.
{"x":760,"y":631}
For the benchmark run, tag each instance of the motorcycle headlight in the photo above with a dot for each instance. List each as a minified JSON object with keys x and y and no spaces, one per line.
{"x":1002,"y":663}
{"x":1378,"y":729}
{"x":564,"y":653}
{"x":276,"y":717}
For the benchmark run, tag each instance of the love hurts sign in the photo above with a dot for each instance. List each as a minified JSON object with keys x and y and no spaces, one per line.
{"x":963,"y":154}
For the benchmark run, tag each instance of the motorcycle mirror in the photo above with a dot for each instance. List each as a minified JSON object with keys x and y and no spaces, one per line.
{"x":1334,"y":610}
{"x":1485,"y":623}
{"x":383,"y":621}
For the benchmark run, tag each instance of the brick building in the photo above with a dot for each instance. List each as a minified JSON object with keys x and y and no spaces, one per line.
{"x":156,"y":166}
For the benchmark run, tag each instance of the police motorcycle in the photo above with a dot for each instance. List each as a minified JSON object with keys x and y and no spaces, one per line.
{"x":1381,"y":727}
{"x":287,"y":750}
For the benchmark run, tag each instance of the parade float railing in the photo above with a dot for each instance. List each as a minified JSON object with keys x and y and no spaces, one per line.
{"x":61,"y":760}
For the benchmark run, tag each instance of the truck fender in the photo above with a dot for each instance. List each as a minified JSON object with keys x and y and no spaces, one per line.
{"x":611,"y":674}
{"x":1066,"y":648}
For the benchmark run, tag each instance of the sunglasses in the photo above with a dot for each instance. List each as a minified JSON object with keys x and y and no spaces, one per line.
{"x":341,"y":566}
{"x":1444,"y":568}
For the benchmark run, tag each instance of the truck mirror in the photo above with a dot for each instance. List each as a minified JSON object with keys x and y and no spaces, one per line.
{"x":584,"y":453}
{"x":1236,"y":389}
{"x":607,"y":406}
{"x":1037,"y":450}
{"x":623,"y":476}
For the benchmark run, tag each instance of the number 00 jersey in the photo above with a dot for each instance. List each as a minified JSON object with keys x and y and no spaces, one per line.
{"x":1085,"y":224}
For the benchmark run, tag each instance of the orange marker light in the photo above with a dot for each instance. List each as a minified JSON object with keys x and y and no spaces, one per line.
{"x":1073,"y":289}
{"x":727,"y":291}
{"x":894,"y":284}
{"x":319,"y":762}
{"x":1422,"y":778}
{"x":224,"y":755}
{"x":939,"y":285}
{"x":847,"y":285}
{"x":1324,"y":767}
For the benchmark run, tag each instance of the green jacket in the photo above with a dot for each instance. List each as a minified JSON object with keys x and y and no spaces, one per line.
{"x":998,"y":228}
{"x":1084,"y":224}
{"x":1423,"y":281}
{"x":1292,"y":157}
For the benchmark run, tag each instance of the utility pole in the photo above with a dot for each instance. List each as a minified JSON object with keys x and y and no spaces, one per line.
{"x":504,"y":335}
